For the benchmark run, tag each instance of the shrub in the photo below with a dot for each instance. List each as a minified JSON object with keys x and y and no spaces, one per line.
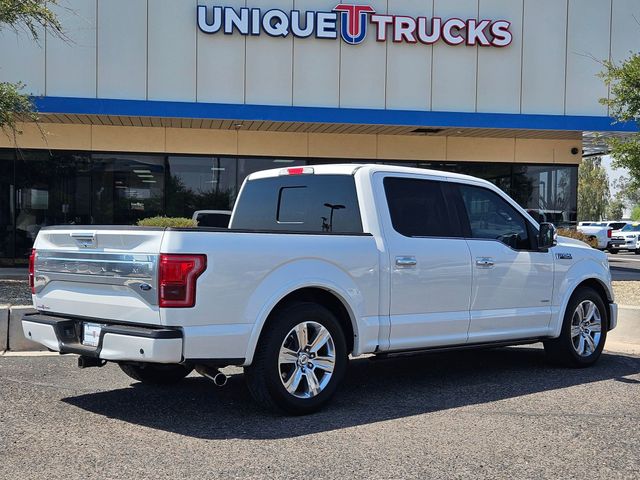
{"x":591,"y":241}
{"x":168,"y":222}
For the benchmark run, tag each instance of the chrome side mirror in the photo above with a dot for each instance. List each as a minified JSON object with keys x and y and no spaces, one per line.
{"x":548,"y":236}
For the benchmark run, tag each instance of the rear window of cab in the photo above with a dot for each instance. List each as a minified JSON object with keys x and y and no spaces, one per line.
{"x":300,"y":203}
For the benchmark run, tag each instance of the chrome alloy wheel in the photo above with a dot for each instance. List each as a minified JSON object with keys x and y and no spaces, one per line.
{"x":307,"y":359}
{"x":586,"y":328}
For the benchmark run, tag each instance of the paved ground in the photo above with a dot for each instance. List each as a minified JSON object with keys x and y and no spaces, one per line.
{"x":625,"y":266}
{"x":493,"y":414}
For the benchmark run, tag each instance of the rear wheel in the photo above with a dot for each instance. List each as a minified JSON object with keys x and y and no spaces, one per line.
{"x":300,"y":360}
{"x":613,"y":251}
{"x":156,"y":374}
{"x":584,"y":331}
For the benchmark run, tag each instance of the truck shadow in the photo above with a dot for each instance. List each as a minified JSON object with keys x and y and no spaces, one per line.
{"x":374,"y":391}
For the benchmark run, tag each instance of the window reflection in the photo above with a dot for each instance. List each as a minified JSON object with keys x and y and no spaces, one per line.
{"x":126,"y":188}
{"x":40,"y":188}
{"x":200,"y":183}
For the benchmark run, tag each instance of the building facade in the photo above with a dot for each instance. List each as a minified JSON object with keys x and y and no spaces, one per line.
{"x":162,"y":107}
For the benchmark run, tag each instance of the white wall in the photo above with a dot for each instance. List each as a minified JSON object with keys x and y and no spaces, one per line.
{"x":152,"y":49}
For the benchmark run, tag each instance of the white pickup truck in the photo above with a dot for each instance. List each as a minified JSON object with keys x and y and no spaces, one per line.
{"x":320,"y":263}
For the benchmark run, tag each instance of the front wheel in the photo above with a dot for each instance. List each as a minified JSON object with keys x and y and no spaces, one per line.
{"x":613,"y":251}
{"x":156,"y":374}
{"x":584,"y":331}
{"x":637,"y":251}
{"x":300,"y":360}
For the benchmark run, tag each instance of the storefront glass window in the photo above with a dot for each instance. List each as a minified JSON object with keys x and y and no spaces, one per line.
{"x":126,"y":188}
{"x":7,"y":204}
{"x":40,"y":188}
{"x":51,"y":189}
{"x":200,"y":183}
{"x":548,"y":193}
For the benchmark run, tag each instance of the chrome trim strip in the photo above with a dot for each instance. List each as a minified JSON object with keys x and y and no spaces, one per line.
{"x":135,"y":271}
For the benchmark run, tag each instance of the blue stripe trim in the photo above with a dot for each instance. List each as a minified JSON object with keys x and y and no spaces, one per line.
{"x":410,"y":118}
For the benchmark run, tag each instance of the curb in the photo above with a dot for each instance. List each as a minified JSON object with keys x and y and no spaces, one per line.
{"x":16,"y":341}
{"x":4,"y":327}
{"x":628,"y":307}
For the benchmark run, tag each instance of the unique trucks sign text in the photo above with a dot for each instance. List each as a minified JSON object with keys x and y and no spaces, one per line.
{"x":351,"y":22}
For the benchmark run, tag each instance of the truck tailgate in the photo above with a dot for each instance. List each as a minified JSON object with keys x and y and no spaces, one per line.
{"x":105,"y":273}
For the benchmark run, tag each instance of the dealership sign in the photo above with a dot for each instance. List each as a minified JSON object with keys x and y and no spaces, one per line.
{"x":352,"y":23}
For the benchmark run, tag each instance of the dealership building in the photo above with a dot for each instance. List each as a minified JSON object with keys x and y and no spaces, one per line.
{"x":163,"y":107}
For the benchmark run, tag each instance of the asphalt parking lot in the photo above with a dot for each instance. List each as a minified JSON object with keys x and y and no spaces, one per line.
{"x":500,"y":413}
{"x":625,"y":266}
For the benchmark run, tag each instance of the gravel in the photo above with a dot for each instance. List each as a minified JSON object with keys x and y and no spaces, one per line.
{"x":14,"y":292}
{"x":627,"y":293}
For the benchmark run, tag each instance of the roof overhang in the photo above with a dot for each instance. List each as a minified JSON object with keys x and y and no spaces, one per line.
{"x":236,"y":116}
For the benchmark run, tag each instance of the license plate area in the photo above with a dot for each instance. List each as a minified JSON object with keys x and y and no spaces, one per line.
{"x":91,"y":334}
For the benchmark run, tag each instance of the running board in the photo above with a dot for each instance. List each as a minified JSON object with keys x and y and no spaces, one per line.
{"x":453,"y":348}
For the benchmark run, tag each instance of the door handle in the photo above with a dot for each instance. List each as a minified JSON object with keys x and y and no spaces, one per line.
{"x":485,"y":262}
{"x":405,"y":262}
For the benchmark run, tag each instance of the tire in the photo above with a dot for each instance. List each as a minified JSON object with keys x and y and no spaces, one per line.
{"x":566,"y":349}
{"x":269,"y":371}
{"x":613,"y":251}
{"x":637,"y":251}
{"x":156,"y":374}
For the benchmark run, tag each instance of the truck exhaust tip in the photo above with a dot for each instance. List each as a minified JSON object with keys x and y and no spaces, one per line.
{"x":218,"y":378}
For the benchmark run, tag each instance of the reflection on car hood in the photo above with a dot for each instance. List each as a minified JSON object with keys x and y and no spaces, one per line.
{"x":572,"y":242}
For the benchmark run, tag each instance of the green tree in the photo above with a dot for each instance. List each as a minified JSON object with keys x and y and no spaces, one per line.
{"x":615,"y":209}
{"x":30,"y":16}
{"x":635,"y":213}
{"x":624,"y":104}
{"x":593,"y":190}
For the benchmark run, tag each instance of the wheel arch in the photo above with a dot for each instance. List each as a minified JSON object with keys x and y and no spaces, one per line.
{"x":320,"y":294}
{"x":595,"y":284}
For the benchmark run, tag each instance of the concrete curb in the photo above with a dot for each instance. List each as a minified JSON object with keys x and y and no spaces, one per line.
{"x":628,"y":307}
{"x":4,"y":327}
{"x":17,"y":341}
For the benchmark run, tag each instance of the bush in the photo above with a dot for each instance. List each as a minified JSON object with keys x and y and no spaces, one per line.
{"x":565,"y":232}
{"x":168,"y":222}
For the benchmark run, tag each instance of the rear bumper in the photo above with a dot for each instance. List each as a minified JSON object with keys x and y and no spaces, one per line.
{"x":116,"y":342}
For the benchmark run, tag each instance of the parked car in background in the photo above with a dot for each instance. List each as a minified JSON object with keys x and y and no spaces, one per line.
{"x":600,"y":231}
{"x":627,"y":238}
{"x":212,"y":218}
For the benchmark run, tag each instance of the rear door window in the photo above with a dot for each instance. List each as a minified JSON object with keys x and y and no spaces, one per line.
{"x":418,"y":208}
{"x":300,"y":203}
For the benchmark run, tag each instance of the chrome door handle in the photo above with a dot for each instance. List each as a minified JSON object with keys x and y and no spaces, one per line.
{"x":405,"y":262}
{"x":485,"y":262}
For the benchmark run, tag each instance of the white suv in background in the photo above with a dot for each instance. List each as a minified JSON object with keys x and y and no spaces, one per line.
{"x":628,"y":238}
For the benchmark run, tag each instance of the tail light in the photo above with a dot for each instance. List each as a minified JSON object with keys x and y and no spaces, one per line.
{"x":32,"y":268}
{"x":609,"y":233}
{"x":177,"y":278}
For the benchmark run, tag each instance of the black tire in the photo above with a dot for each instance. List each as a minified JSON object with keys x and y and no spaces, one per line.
{"x":637,"y":251}
{"x":613,"y":251}
{"x":156,"y":374}
{"x":561,"y":350}
{"x":263,"y":376}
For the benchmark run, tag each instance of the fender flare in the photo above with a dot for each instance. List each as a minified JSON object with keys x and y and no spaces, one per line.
{"x":272,"y":291}
{"x":575,"y":283}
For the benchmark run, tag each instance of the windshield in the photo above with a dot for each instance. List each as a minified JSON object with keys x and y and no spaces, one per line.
{"x":632,"y":227}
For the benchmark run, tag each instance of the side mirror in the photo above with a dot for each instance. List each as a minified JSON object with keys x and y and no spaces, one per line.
{"x":547,"y":237}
